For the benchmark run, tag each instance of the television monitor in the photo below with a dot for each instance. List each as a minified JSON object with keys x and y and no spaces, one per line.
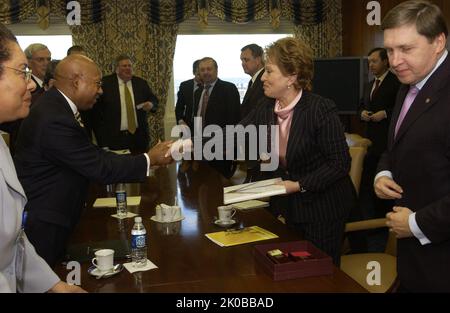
{"x":341,"y":80}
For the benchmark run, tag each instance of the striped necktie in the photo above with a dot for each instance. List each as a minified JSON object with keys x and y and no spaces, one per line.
{"x":131,"y":121}
{"x":78,"y":118}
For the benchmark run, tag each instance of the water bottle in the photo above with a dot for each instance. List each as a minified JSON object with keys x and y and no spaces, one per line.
{"x":121,"y":201}
{"x":138,"y":243}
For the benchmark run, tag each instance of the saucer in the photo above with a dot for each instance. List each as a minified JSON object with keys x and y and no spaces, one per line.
{"x":153,"y":218}
{"x":224,"y":224}
{"x":94,"y":271}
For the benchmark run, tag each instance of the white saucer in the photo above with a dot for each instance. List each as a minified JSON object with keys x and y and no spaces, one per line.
{"x":224,"y":224}
{"x":153,"y":218}
{"x":94,"y":271}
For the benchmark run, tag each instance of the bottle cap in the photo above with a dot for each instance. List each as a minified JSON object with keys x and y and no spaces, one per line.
{"x":138,"y":219}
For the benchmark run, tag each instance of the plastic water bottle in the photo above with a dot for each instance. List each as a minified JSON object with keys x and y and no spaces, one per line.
{"x":121,"y":200}
{"x":138,"y":243}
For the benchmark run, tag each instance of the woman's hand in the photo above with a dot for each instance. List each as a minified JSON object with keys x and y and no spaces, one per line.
{"x":291,"y":186}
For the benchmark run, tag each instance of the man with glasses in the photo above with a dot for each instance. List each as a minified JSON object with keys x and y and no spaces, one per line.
{"x":55,"y":159}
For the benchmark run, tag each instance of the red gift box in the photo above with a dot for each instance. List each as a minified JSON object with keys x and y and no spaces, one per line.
{"x":317,"y":264}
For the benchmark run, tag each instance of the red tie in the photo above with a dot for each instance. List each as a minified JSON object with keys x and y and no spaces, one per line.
{"x":205,"y":101}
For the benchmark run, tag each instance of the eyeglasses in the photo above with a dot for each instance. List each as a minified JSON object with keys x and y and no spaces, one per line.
{"x":26,"y":73}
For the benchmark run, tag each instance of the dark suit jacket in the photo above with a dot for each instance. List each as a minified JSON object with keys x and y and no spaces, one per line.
{"x":185,"y":103}
{"x":317,"y":157}
{"x":223,"y":104}
{"x":419,"y":159}
{"x":106,"y":115}
{"x":55,"y":162}
{"x":252,"y":96}
{"x":384,"y":99}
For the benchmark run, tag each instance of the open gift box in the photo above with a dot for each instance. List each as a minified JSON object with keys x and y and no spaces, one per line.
{"x":317,"y":264}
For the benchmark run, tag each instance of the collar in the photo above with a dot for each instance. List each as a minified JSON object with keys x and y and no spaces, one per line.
{"x":382,"y":77}
{"x":121,"y":81}
{"x":38,"y":80}
{"x":284,"y":112}
{"x":422,"y":83}
{"x":211,"y":84}
{"x":256,"y":74}
{"x":72,"y":105}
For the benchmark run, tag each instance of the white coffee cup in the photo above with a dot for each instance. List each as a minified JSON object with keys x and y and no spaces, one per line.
{"x":104,"y":259}
{"x":177,"y":212}
{"x":226,"y":213}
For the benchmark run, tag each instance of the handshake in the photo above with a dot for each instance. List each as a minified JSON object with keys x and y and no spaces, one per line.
{"x":162,"y":153}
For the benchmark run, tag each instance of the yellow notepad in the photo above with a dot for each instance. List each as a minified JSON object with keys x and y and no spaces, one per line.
{"x":230,"y":238}
{"x":111,"y":202}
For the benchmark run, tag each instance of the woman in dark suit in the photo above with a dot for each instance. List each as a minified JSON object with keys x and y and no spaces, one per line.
{"x":313,"y":154}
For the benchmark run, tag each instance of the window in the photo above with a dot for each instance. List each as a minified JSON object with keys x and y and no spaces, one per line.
{"x":57,"y":44}
{"x":225,"y":49}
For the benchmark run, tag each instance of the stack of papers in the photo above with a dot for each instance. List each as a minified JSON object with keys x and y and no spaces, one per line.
{"x":231,"y":237}
{"x":255,"y":190}
{"x":111,"y":202}
{"x":251,"y":204}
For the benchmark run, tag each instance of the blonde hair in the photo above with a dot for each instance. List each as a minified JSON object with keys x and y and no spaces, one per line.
{"x":293,"y":57}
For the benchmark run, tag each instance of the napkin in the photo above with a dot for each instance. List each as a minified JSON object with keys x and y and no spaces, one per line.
{"x":111,"y":202}
{"x":129,"y":215}
{"x":149,"y":266}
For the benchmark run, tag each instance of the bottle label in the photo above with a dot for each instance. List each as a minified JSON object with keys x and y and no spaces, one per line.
{"x":138,"y":241}
{"x":121,"y":196}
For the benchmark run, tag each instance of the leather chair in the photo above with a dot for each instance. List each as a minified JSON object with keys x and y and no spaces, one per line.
{"x":355,"y":265}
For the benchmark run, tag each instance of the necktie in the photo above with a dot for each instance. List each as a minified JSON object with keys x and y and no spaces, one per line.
{"x":250,"y":83}
{"x":78,"y":118}
{"x":412,"y":93}
{"x":205,"y":101}
{"x":130,"y":110}
{"x":377,"y":85}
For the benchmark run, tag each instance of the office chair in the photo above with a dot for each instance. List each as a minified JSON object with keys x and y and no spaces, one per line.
{"x":355,"y":265}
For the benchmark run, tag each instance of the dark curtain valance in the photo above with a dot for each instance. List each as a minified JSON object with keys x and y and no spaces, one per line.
{"x":17,"y":11}
{"x":300,"y":12}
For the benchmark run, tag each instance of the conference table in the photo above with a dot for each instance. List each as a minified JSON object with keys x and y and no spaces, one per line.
{"x":187,"y":261}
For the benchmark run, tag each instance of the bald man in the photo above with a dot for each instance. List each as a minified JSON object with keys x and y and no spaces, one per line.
{"x":55,"y":159}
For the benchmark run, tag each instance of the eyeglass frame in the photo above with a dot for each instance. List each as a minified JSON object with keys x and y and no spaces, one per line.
{"x":26,"y":72}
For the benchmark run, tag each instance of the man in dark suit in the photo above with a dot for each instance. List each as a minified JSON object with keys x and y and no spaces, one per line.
{"x":415,"y":169}
{"x":120,"y":116}
{"x":376,"y":111}
{"x":185,"y":98}
{"x":218,"y":104}
{"x":55,"y":159}
{"x":253,"y":64}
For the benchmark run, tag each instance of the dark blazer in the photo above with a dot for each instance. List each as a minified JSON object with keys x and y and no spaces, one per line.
{"x":419,"y":159}
{"x":252,"y":96}
{"x":223,"y":104}
{"x":106,"y":115}
{"x":185,"y":103}
{"x":317,"y":157}
{"x":55,"y":162}
{"x":384,"y":99}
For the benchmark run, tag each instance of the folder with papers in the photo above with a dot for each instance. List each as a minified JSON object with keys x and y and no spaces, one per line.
{"x":250,"y":191}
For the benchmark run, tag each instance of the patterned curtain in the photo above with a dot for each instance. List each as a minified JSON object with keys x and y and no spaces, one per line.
{"x":16,"y":11}
{"x":326,"y":37}
{"x":125,"y":28}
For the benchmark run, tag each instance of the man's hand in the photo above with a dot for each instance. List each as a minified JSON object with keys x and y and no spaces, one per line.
{"x":146,"y":106}
{"x":365,"y":116}
{"x":398,"y":222}
{"x":159,"y":154}
{"x":378,"y":117}
{"x":291,"y":186}
{"x":62,"y":287}
{"x":386,"y":188}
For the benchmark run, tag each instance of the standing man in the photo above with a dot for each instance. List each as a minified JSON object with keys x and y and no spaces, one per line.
{"x":38,"y":57}
{"x":184,"y":109}
{"x":378,"y":102}
{"x":55,"y":159}
{"x":218,"y":104}
{"x":415,"y":169}
{"x":253,"y":64}
{"x":120,"y":117}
